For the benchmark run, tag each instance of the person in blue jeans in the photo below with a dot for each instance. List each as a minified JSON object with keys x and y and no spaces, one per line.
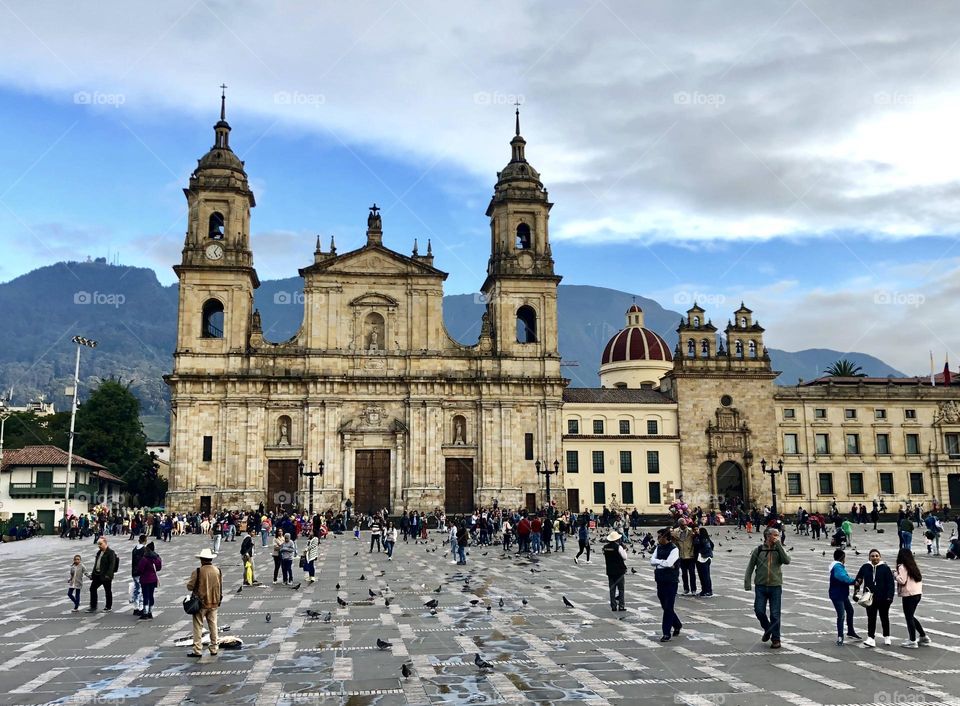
{"x":764,"y":570}
{"x":839,"y":592}
{"x":666,"y":572}
{"x":906,"y":534}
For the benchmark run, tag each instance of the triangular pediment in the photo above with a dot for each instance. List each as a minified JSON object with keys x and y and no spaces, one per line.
{"x":374,"y":260}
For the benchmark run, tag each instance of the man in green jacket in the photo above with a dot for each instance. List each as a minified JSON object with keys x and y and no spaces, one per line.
{"x":765,"y":569}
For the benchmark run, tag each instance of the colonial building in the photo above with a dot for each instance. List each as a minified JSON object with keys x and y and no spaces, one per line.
{"x":400,"y":414}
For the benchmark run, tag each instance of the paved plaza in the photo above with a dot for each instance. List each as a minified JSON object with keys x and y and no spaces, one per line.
{"x":542,"y":651}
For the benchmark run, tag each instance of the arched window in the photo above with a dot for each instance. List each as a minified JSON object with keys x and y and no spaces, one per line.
{"x":704,"y":348}
{"x":526,"y":324}
{"x":215,"y":231}
{"x":212,"y":320}
{"x":743,"y":322}
{"x":374,"y":333}
{"x":752,"y":347}
{"x":523,"y":237}
{"x":691,"y":348}
{"x":738,"y":348}
{"x":696,"y":322}
{"x":620,"y":385}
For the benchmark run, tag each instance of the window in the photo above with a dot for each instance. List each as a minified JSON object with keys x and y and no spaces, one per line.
{"x":705,"y":348}
{"x":916,"y":483}
{"x":597,"y":459}
{"x":212,"y":320}
{"x":624,"y":426}
{"x":626,"y":490}
{"x":826,"y":483}
{"x":952,"y":443}
{"x":789,"y":413}
{"x":208,"y":448}
{"x":793,"y":484}
{"x":738,"y":349}
{"x":692,"y":348}
{"x":573,"y":426}
{"x":653,"y":461}
{"x":528,"y":447}
{"x":886,"y":484}
{"x":853,"y":444}
{"x":790,"y":444}
{"x":883,"y":444}
{"x":653,"y":427}
{"x":654,"y":490}
{"x":822,"y":442}
{"x":879,"y":414}
{"x":620,"y":385}
{"x":856,"y":484}
{"x":849,"y":414}
{"x":909,"y":414}
{"x":597,"y":426}
{"x":752,"y":347}
{"x":599,"y":493}
{"x":523,"y":237}
{"x":913,"y":444}
{"x":215,"y":229}
{"x":44,"y":479}
{"x":819,"y":413}
{"x":573,"y":462}
{"x":626,"y":462}
{"x":526,"y":324}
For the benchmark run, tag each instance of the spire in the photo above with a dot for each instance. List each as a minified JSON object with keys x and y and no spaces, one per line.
{"x":429,"y":248}
{"x":518,"y":118}
{"x":223,"y":102}
{"x":333,"y":246}
{"x":318,"y":248}
{"x":221,"y":130}
{"x":415,"y":253}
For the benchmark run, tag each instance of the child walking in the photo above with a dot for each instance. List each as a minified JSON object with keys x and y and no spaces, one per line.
{"x":77,"y":572}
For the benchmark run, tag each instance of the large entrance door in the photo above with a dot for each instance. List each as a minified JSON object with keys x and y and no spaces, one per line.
{"x":372,"y":480}
{"x":205,"y":505}
{"x":281,"y":484}
{"x":730,"y":482}
{"x":573,"y":499}
{"x":47,"y":524}
{"x":953,"y":488}
{"x":459,"y":486}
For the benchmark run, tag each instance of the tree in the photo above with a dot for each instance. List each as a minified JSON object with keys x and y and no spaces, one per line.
{"x":844,"y":368}
{"x":109,"y":431}
{"x":28,"y":429}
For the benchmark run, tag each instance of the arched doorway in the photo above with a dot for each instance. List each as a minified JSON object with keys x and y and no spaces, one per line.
{"x":730,"y":482}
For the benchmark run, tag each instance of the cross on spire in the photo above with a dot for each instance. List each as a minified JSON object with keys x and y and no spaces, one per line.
{"x":517,"y":104}
{"x":374,"y":209}
{"x":223,"y":101}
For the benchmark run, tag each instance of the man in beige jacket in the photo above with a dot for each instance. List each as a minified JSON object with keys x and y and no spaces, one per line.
{"x":207,"y":581}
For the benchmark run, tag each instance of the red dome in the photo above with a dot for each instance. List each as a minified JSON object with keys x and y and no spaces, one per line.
{"x":634,"y":309}
{"x":635,"y":343}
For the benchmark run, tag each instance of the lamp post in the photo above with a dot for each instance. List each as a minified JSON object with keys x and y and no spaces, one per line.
{"x":81,"y":342}
{"x":306,"y":473}
{"x":547,"y":472}
{"x":773,"y":471}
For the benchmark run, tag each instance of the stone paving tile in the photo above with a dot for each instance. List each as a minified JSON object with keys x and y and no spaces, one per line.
{"x":542,"y":652}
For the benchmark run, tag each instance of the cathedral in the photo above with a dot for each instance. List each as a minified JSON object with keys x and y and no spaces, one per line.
{"x":372,"y":390}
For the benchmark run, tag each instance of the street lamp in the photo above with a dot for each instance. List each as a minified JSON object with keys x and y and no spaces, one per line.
{"x":81,"y":342}
{"x":305,"y":472}
{"x":773,"y":471}
{"x":547,"y":472}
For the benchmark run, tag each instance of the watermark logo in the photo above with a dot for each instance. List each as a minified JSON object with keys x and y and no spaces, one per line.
{"x":895,"y":98}
{"x":495,"y":98}
{"x":898,"y":697}
{"x":895,"y":298}
{"x":686,"y":298}
{"x":696,"y":98}
{"x":99,"y":98}
{"x":99,"y":299}
{"x":299,"y":98}
{"x":283,"y":297}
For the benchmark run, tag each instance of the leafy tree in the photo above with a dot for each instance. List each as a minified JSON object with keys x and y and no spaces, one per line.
{"x":28,"y":429}
{"x":109,"y":432}
{"x":844,"y":368}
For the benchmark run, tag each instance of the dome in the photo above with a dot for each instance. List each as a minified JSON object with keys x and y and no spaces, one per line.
{"x":220,"y":158}
{"x":634,"y":309}
{"x":635,"y":343}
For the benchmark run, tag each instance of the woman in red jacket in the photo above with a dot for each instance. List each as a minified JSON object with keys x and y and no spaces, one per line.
{"x":148,"y":567}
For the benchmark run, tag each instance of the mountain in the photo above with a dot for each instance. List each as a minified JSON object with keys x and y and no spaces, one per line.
{"x":134,"y":320}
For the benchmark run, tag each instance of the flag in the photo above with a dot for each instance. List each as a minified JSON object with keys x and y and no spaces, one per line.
{"x":946,"y":371}
{"x":933,"y":381}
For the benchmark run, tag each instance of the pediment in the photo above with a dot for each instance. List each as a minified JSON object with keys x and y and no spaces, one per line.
{"x":375,"y":260}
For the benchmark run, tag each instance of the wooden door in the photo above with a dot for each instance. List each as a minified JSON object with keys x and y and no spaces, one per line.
{"x":372,"y":480}
{"x":459,"y":486}
{"x":205,"y":505}
{"x":573,"y":500}
{"x":281,"y":484}
{"x":531,"y":502}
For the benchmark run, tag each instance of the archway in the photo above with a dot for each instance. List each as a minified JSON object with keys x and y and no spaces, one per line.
{"x":730,"y":482}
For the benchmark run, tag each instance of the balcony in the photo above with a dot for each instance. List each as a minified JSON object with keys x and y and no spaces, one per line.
{"x":31,"y":490}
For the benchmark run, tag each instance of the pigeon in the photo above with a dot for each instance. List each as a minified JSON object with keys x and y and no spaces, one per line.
{"x":524,"y":601}
{"x":340,"y":602}
{"x":566,"y":602}
{"x":633,"y":570}
{"x":729,"y":550}
{"x":240,"y":589}
{"x":386,"y":602}
{"x":356,"y":553}
{"x":432,"y":603}
{"x":297,"y":587}
{"x":372,"y":594}
{"x":383,"y":644}
{"x":362,"y":577}
{"x":501,"y":602}
{"x":405,"y":670}
{"x":268,"y":617}
{"x":474,"y":601}
{"x":857,"y":552}
{"x":438,"y":588}
{"x":313,"y":614}
{"x":488,"y":607}
{"x":327,"y":617}
{"x":823,"y":553}
{"x":481,"y":663}
{"x":338,"y":586}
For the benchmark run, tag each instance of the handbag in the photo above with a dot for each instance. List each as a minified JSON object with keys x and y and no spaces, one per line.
{"x":192,"y":604}
{"x":303,"y":562}
{"x":866,"y":598}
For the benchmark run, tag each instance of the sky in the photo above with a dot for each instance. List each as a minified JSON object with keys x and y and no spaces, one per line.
{"x":799,"y":156}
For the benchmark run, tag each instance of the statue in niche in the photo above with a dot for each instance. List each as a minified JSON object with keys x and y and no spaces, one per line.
{"x":284,"y":429}
{"x":458,"y":433}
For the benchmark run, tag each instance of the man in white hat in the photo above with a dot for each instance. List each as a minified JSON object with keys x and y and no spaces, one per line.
{"x":615,"y":557}
{"x":207,"y":581}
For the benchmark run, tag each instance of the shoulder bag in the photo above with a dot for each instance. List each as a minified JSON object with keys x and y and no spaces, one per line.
{"x":192,"y":604}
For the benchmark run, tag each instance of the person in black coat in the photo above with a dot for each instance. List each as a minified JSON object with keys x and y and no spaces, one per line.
{"x":105,"y":565}
{"x":876,"y":577}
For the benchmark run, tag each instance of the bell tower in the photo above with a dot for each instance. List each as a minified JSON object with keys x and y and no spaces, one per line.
{"x":216,"y":271}
{"x":521,"y":287}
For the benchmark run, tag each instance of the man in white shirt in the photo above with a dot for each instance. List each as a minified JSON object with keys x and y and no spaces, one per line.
{"x":665,"y":562}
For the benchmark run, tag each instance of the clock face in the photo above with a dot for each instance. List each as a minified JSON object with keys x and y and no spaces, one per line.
{"x":214,"y":251}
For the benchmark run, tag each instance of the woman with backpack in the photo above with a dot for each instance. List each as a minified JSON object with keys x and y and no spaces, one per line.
{"x":875,"y":578}
{"x":910,"y":588}
{"x":147,"y":569}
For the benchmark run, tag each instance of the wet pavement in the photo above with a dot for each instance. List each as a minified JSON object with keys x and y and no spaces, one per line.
{"x":541,"y":652}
